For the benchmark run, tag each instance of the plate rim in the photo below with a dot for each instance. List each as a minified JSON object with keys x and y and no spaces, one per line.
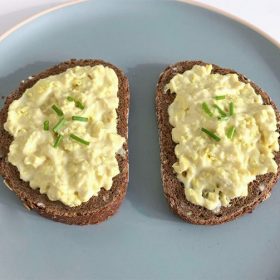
{"x":196,"y":3}
{"x":31,"y":18}
{"x":233,"y":17}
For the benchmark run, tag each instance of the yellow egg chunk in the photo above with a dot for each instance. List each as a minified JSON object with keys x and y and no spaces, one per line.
{"x":225,"y":136}
{"x":72,"y":172}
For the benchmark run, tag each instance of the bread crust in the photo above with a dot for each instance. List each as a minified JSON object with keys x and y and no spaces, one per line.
{"x":98,"y":208}
{"x":258,"y":190}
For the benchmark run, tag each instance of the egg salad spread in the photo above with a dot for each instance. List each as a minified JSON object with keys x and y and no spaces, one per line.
{"x":65,"y":134}
{"x":225,"y":136}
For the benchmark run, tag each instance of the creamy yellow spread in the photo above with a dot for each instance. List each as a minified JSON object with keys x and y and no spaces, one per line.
{"x":72,"y":172}
{"x":214,"y":171}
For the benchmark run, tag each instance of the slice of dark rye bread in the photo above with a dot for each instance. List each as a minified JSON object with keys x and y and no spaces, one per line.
{"x":258,"y":190}
{"x":98,"y":208}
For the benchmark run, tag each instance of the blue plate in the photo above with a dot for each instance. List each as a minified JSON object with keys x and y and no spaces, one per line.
{"x":144,"y":240}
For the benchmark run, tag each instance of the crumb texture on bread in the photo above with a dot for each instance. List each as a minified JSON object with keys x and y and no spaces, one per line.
{"x":258,"y":190}
{"x":98,"y":208}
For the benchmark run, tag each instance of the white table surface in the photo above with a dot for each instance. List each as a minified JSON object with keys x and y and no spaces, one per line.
{"x":262,"y":13}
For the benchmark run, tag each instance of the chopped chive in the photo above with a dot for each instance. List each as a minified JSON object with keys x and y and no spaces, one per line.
{"x":211,"y":134}
{"x":230,"y":132}
{"x":206,"y":109}
{"x":223,"y":118}
{"x":221,"y":111}
{"x":69,"y":98}
{"x":78,"y":139}
{"x":220,"y":97}
{"x":78,"y":104}
{"x":59,"y":125}
{"x":46,"y":125}
{"x":80,"y":119}
{"x":57,"y":141}
{"x":57,"y":110}
{"x":231,"y":109}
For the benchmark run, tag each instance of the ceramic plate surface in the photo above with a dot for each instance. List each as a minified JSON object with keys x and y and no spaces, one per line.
{"x":144,"y":240}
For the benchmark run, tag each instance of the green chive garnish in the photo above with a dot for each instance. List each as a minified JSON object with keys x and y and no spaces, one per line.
{"x":206,"y":109}
{"x":231,"y":109}
{"x":69,"y":98}
{"x":78,"y":139}
{"x":220,"y":97}
{"x":78,"y":104}
{"x":57,"y":110}
{"x":80,"y":119}
{"x":211,"y":134}
{"x":57,"y":141}
{"x":59,"y":125}
{"x":221,"y":111}
{"x":230,"y":132}
{"x":46,"y":125}
{"x":223,"y":118}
